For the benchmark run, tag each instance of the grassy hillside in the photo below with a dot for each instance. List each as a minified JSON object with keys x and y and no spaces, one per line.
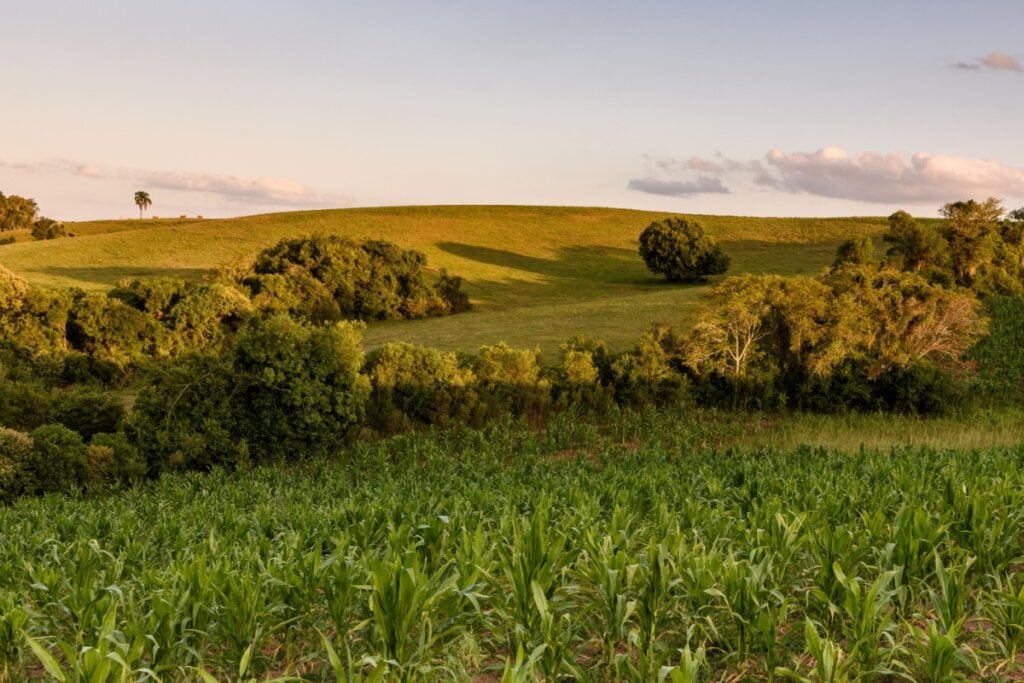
{"x":537,"y":275}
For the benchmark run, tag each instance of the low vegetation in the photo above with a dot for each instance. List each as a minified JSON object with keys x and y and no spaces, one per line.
{"x":627,"y":551}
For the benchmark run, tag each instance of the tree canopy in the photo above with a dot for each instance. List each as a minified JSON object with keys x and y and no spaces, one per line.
{"x":679,"y":249}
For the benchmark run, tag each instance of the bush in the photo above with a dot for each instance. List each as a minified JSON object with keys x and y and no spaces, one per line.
{"x":57,"y":461}
{"x":645,"y":376}
{"x":326,"y":278}
{"x":679,"y":249}
{"x":185,"y":418}
{"x":15,"y":452}
{"x":414,"y":385}
{"x":299,"y":388}
{"x":111,"y":330}
{"x":24,"y":405}
{"x":112,"y":458}
{"x":88,"y":411}
{"x":858,"y":251}
{"x":579,"y":384}
{"x":47,"y":229}
{"x":510,"y":382}
{"x":1000,"y":355}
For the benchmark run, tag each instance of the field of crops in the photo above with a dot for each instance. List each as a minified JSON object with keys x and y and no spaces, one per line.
{"x":633,"y":552}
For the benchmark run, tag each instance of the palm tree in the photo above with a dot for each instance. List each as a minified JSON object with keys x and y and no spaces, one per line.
{"x":142,"y":201}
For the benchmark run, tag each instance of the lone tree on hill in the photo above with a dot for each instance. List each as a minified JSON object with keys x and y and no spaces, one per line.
{"x":680,"y":250}
{"x":142,"y":201}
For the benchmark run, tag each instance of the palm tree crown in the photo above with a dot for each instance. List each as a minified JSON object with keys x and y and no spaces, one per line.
{"x":142,"y":201}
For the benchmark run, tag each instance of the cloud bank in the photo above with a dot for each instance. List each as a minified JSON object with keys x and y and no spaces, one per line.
{"x":233,"y":188}
{"x":831,"y":172}
{"x":893,"y":178}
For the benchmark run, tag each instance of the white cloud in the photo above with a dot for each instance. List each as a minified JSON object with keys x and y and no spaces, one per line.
{"x":891,"y":178}
{"x":678,"y":188}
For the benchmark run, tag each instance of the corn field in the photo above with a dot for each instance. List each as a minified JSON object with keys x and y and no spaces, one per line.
{"x":576,"y":554}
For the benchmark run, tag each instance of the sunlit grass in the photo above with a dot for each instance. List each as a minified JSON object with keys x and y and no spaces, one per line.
{"x":537,"y":275}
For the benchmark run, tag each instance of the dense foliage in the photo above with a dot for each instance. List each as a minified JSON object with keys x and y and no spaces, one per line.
{"x":679,"y":249}
{"x":486,"y":555}
{"x":327,"y":278}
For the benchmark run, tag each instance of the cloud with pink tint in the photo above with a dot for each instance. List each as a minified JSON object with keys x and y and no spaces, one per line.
{"x":234,"y":188}
{"x":241,"y":189}
{"x":1001,"y":62}
{"x":57,"y":166}
{"x":893,"y":178}
{"x":994,"y":61}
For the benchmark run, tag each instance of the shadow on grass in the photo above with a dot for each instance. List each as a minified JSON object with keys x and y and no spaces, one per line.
{"x":600,"y":264}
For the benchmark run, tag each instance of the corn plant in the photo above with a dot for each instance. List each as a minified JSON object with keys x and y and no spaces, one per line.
{"x":829,"y":662}
{"x":411,"y":612}
{"x":867,"y":621}
{"x":1005,"y":611}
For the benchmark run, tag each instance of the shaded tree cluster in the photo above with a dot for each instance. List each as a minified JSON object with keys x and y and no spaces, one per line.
{"x":679,"y":249}
{"x":329,"y":278}
{"x":320,"y":279}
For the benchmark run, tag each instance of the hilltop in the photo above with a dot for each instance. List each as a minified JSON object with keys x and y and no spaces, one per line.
{"x":537,"y":275}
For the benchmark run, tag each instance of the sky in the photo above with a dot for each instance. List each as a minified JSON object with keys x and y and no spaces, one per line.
{"x":231,"y":107}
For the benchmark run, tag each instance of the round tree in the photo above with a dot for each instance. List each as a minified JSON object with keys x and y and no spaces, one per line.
{"x":680,"y":250}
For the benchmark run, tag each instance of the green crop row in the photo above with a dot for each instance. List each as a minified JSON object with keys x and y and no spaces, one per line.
{"x":630,"y":553}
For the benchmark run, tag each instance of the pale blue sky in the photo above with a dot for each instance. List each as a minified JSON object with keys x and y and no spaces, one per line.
{"x":231,"y":107}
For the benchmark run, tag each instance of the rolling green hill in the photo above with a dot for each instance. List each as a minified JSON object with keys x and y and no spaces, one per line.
{"x":537,"y":275}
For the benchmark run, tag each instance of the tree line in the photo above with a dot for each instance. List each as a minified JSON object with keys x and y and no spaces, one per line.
{"x":21,"y":213}
{"x":265,"y":363}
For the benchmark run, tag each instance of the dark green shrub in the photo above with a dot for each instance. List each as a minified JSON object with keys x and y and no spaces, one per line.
{"x":299,"y":392}
{"x":24,"y":405}
{"x":414,"y":385}
{"x":645,"y":375}
{"x":185,"y":419}
{"x":326,"y":278}
{"x":88,"y":411}
{"x":922,"y":388}
{"x":856,"y":250}
{"x":56,"y":462}
{"x":449,"y":288}
{"x":47,"y":229}
{"x":111,"y":330}
{"x":113,"y":458}
{"x":1000,"y":355}
{"x":15,"y":453}
{"x":680,"y":250}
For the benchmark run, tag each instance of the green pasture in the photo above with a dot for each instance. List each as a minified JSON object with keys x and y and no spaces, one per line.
{"x":537,"y":275}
